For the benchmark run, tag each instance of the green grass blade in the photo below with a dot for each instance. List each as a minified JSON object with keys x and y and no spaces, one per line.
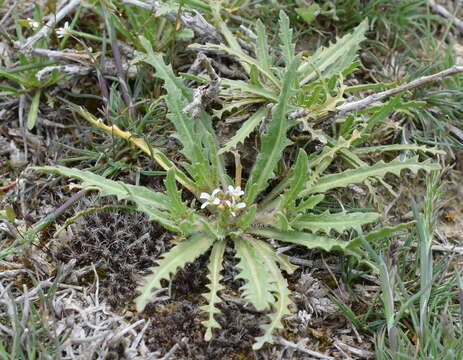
{"x":34,"y":110}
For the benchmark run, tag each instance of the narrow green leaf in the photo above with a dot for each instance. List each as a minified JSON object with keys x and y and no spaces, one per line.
{"x":181,"y":254}
{"x":356,"y":176}
{"x":398,"y":147}
{"x":298,"y":179}
{"x":176,"y":206}
{"x":235,"y":105}
{"x":310,"y":241}
{"x":247,"y":218}
{"x":274,"y":141}
{"x":257,"y":288}
{"x":212,"y":297}
{"x":34,"y":110}
{"x":309,"y":203}
{"x":262,"y":50}
{"x":238,"y":88}
{"x":338,"y":222}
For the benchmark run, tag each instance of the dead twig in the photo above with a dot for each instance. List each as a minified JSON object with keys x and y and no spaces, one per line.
{"x":302,"y":349}
{"x":363,"y":103}
{"x":197,"y":23}
{"x":46,"y":29}
{"x":445,"y":13}
{"x":205,"y":94}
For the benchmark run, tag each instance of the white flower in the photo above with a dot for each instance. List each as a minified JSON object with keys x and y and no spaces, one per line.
{"x":234,"y":207}
{"x":64,"y":31}
{"x":235,"y":192}
{"x":211,"y":199}
{"x":34,"y":24}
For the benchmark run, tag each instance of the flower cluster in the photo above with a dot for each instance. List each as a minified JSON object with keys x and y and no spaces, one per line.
{"x":224,"y":200}
{"x":32,"y":23}
{"x":64,"y":31}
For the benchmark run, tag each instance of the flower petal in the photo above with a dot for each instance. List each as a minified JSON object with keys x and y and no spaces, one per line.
{"x":240,"y":205}
{"x":204,"y":196}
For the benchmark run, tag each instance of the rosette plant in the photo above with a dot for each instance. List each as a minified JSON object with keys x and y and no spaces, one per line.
{"x":246,"y":210}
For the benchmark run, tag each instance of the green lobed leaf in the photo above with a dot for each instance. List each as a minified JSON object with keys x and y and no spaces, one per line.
{"x":177,"y":257}
{"x":309,"y":203}
{"x":355,"y":176}
{"x":257,"y":288}
{"x":141,"y":195}
{"x":281,"y":306}
{"x":212,"y":297}
{"x":239,"y":88}
{"x":262,"y":48}
{"x":163,"y":71}
{"x":288,"y":49}
{"x":274,"y":141}
{"x":235,"y":105}
{"x":398,"y":147}
{"x":310,"y":241}
{"x":245,"y":130}
{"x":176,"y":205}
{"x":335,"y":58}
{"x":338,"y":222}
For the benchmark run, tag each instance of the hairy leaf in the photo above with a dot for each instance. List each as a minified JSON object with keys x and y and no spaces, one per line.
{"x":274,"y":141}
{"x":335,"y":58}
{"x":337,"y":222}
{"x":309,"y":203}
{"x":163,"y":71}
{"x":262,"y":48}
{"x":212,"y":297}
{"x":176,"y":205}
{"x":281,"y":306}
{"x":310,"y":241}
{"x":355,"y":176}
{"x":298,"y":179}
{"x":258,"y":287}
{"x":177,"y":257}
{"x":288,"y":49}
{"x":245,"y":130}
{"x":141,"y":195}
{"x":239,"y":88}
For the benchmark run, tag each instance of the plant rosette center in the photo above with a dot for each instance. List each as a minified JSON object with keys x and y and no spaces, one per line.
{"x":227,"y":203}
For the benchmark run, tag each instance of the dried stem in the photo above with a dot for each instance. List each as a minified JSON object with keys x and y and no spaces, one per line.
{"x":197,"y":23}
{"x":363,"y":103}
{"x":45,"y":30}
{"x":445,"y":13}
